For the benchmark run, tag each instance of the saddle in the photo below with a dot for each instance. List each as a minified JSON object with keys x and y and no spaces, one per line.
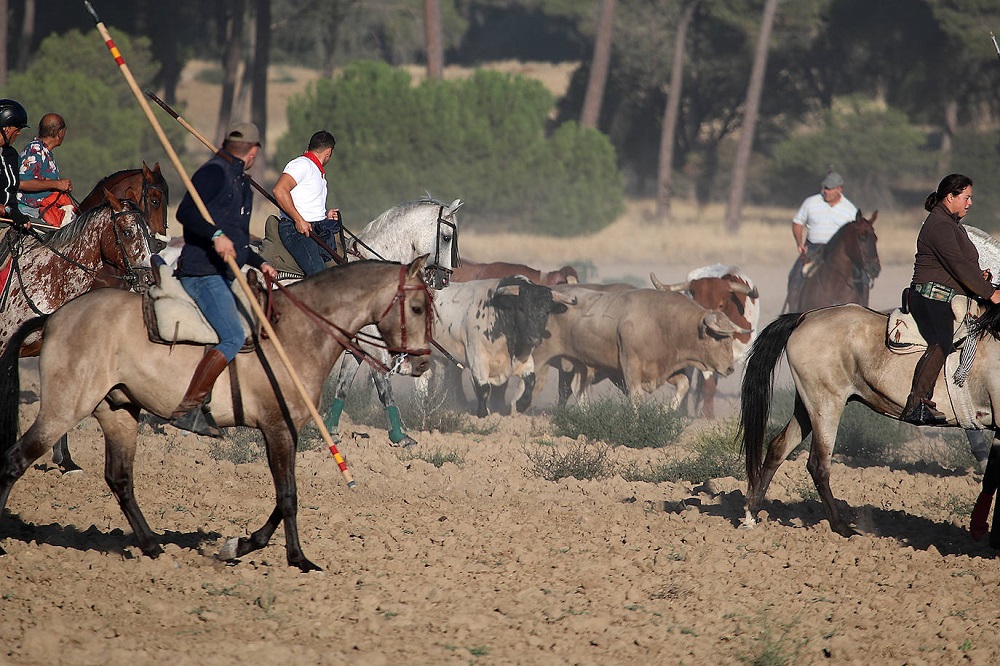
{"x":903,"y":337}
{"x":171,"y":315}
{"x":276,"y":254}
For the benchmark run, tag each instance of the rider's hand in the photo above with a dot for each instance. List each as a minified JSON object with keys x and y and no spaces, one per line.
{"x":333,"y":214}
{"x":303,"y":227}
{"x":269,"y":270}
{"x":224,"y":247}
{"x":802,"y":249}
{"x":64,"y":185}
{"x":21,"y":221}
{"x":995,"y":298}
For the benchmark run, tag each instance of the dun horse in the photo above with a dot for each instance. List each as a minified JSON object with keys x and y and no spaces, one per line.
{"x":97,"y":360}
{"x":846,"y":270}
{"x":837,"y":355}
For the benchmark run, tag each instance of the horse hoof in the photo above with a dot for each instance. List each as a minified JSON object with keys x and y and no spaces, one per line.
{"x":747,"y":523}
{"x":305,"y":565}
{"x":228,"y":551}
{"x":979,"y":524}
{"x":68,"y":470}
{"x":404,"y":443}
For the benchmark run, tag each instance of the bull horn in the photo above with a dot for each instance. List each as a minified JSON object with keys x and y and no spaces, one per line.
{"x":723,"y":325}
{"x":678,"y":286}
{"x":563,"y":298}
{"x":741,"y":288}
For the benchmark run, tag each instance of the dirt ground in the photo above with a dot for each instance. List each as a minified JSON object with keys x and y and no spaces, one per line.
{"x":481,"y":561}
{"x":485,"y":562}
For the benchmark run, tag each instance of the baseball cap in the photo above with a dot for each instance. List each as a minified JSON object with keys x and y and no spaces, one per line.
{"x":244,"y":132}
{"x":832,"y":180}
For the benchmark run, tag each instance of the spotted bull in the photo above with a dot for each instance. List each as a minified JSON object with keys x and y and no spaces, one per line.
{"x":639,"y":338}
{"x":493,"y":326}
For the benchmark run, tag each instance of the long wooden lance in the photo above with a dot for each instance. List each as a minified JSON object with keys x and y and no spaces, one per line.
{"x":230,"y":261}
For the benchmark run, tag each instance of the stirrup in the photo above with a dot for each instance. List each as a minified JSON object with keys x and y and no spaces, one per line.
{"x":199,"y":421}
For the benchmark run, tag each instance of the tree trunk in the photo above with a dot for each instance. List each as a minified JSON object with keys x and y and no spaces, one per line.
{"x":4,"y":26}
{"x":741,"y":164}
{"x":230,"y":63}
{"x":432,"y":32}
{"x":948,"y":135}
{"x":27,"y":37}
{"x":258,"y":102}
{"x":664,"y":179}
{"x":599,"y":66}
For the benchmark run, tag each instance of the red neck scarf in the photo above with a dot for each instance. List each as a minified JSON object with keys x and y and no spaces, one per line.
{"x":315,"y":160}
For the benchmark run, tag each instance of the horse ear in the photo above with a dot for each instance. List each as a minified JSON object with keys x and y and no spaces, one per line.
{"x":116,"y":204}
{"x":416,"y":266}
{"x":874,"y":217}
{"x":146,"y":173}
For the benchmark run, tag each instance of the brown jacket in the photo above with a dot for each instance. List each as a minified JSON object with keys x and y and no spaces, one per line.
{"x":946,"y":255}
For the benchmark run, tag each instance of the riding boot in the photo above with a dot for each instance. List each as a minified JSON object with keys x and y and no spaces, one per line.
{"x":919,"y":408}
{"x":191,"y":414}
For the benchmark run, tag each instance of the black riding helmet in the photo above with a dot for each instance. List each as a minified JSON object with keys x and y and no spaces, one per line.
{"x":12,"y":114}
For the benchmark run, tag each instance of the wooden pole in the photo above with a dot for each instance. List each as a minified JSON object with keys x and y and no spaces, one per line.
{"x":231,"y":262}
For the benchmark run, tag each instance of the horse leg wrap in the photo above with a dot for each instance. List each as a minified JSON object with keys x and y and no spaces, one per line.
{"x":332,"y":420}
{"x":396,"y":434}
{"x":979,"y":525}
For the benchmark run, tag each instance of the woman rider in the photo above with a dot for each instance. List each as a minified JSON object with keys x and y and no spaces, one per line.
{"x":946,"y":263}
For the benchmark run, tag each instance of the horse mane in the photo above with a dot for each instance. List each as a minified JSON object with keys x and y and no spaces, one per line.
{"x":396,"y":212}
{"x":988,"y":322}
{"x":66,"y":235}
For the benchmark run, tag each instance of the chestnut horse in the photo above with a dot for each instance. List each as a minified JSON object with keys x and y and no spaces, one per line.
{"x":98,"y":360}
{"x":153,"y":198}
{"x":845,"y":271}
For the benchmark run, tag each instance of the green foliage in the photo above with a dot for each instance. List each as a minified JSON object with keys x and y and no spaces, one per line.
{"x":870,"y":436}
{"x":74,"y":75}
{"x":618,"y":422}
{"x":482,"y":139}
{"x":977,"y":155}
{"x":240,"y":445}
{"x":872,"y":147}
{"x":716,"y":454}
{"x":582,"y":460}
{"x":437,"y":457}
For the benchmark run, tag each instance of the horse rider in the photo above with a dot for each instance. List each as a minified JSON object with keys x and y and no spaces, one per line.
{"x":946,"y":263}
{"x":13,"y":119}
{"x":223,"y":186}
{"x":819,"y":217}
{"x":43,"y":193}
{"x":301,"y":193}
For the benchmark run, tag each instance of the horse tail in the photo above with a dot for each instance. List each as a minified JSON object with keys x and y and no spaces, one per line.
{"x":10,"y":384}
{"x":758,"y":384}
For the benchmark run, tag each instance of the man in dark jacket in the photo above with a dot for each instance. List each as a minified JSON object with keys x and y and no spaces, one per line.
{"x":202,"y":268}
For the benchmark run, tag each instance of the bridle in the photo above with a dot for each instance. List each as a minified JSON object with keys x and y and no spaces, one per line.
{"x":436,"y":275}
{"x":350,"y":342}
{"x":155,"y":244}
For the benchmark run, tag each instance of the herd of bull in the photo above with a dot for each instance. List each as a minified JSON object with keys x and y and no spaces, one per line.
{"x":503,"y":320}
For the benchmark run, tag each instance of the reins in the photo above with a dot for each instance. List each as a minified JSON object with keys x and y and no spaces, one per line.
{"x":351,"y":343}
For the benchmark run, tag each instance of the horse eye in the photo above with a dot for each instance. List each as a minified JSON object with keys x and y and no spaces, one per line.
{"x":417,"y":309}
{"x":446,"y":239}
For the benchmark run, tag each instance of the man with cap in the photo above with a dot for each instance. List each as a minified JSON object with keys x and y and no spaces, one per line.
{"x":818,"y":219}
{"x":223,"y":186}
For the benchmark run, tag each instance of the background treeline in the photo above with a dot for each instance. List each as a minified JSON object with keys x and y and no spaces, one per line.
{"x":893,"y":94}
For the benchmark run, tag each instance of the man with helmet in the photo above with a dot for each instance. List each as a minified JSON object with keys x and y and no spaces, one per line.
{"x":13,"y":119}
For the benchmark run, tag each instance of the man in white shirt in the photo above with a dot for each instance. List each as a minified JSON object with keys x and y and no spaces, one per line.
{"x":819,"y":217}
{"x":301,"y":192}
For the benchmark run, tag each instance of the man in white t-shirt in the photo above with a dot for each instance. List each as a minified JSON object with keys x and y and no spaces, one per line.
{"x":301,"y":192}
{"x":819,"y":217}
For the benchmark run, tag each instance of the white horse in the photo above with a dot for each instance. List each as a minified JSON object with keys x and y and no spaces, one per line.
{"x":402,"y":233}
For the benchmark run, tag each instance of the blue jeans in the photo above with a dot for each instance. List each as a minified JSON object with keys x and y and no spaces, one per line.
{"x":214,"y":297}
{"x":306,"y":252}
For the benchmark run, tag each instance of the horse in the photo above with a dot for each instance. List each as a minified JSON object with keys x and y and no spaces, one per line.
{"x":837,"y":355}
{"x":154,"y":196}
{"x":399,"y":234}
{"x":845,"y":271}
{"x":96,"y":360}
{"x":106,"y":246}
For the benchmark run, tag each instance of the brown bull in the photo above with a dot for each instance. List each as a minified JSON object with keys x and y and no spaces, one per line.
{"x":471,"y":270}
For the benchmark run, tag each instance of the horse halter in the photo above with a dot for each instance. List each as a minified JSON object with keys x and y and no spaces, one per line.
{"x":349,"y":342}
{"x":155,"y":243}
{"x":137,"y":277}
{"x":437,"y":276}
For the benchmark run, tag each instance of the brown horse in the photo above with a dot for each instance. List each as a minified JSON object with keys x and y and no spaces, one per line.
{"x":845,"y":272}
{"x":97,"y":360}
{"x":43,"y":273}
{"x":152,"y":190}
{"x":837,"y":355}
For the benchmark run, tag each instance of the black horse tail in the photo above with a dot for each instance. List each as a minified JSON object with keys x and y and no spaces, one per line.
{"x":758,"y":384}
{"x":10,"y":382}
